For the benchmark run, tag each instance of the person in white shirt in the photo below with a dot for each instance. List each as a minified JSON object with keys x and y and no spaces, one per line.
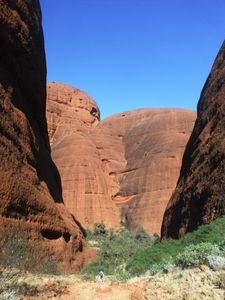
{"x":101,"y":276}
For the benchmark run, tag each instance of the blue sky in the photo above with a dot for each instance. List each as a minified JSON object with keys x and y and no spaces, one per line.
{"x":130,"y":54}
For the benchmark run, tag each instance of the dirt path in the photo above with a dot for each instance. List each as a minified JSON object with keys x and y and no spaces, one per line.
{"x":189,"y":284}
{"x":114,"y":290}
{"x":178,"y":285}
{"x":192,"y":284}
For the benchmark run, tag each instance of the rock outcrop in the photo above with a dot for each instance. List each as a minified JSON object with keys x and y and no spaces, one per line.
{"x":72,"y":116}
{"x":121,"y":170}
{"x":153,"y":141}
{"x":199,"y":195}
{"x":69,"y":109}
{"x":30,"y":188}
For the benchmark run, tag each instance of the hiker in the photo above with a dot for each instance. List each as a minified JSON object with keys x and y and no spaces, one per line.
{"x":101,"y":276}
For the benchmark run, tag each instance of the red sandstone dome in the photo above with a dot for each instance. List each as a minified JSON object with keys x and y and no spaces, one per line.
{"x":69,"y":109}
{"x":121,"y":170}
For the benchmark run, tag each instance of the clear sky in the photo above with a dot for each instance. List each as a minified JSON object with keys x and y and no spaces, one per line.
{"x":131,"y":54}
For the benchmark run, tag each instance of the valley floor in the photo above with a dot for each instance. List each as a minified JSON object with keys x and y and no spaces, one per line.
{"x":189,"y":284}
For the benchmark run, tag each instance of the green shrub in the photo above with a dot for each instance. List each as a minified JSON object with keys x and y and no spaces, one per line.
{"x":89,"y":234}
{"x":213,"y":233}
{"x":141,"y":234}
{"x":116,"y":249}
{"x":149,"y":257}
{"x":111,"y":234}
{"x":99,"y":229}
{"x":156,"y":268}
{"x":122,"y":276}
{"x":193,"y":255}
{"x":220,"y":281}
{"x":15,"y":249}
{"x":48,"y":266}
{"x":128,"y":253}
{"x":17,"y":252}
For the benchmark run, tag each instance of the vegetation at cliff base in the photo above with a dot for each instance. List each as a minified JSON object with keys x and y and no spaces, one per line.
{"x":125,"y":254}
{"x":205,"y":241}
{"x":17,"y":252}
{"x":115,"y":249}
{"x":121,"y":254}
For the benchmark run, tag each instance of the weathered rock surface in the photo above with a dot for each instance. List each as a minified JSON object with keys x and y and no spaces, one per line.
{"x":69,"y":109}
{"x":153,"y":143}
{"x":30,"y":187}
{"x":199,"y":195}
{"x":122,"y":169}
{"x":72,"y":116}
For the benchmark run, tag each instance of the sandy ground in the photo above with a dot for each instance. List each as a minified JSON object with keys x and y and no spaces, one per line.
{"x":178,"y":285}
{"x":107,"y":291}
{"x":190,"y":284}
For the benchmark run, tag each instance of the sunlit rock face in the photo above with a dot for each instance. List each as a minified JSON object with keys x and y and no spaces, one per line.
{"x":199,"y":195}
{"x":122,"y":170}
{"x":69,"y":109}
{"x":30,"y":187}
{"x":73,"y":119}
{"x":153,"y":142}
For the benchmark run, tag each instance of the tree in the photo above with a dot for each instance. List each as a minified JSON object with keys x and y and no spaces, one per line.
{"x":99,"y":229}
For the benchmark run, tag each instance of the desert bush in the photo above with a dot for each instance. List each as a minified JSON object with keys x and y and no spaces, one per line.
{"x":164,"y":266}
{"x":215,"y":262}
{"x":141,"y":234}
{"x":99,"y":229}
{"x":14,"y":287}
{"x":193,"y":255}
{"x":89,"y":234}
{"x":98,"y":235}
{"x":48,"y":266}
{"x":213,"y":233}
{"x":17,"y":252}
{"x":220,"y":281}
{"x":122,"y":276}
{"x":116,"y":249}
{"x":135,"y":253}
{"x":149,"y":257}
{"x":15,"y":249}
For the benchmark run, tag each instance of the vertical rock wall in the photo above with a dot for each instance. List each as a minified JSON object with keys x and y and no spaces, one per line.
{"x":30,"y":187}
{"x":199,"y":195}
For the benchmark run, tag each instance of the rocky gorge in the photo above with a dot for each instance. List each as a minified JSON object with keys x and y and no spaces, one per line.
{"x":63,"y":169}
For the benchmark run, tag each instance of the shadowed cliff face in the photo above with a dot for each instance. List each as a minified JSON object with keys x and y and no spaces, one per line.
{"x":121,"y":170}
{"x":199,"y":195}
{"x":30,"y":187}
